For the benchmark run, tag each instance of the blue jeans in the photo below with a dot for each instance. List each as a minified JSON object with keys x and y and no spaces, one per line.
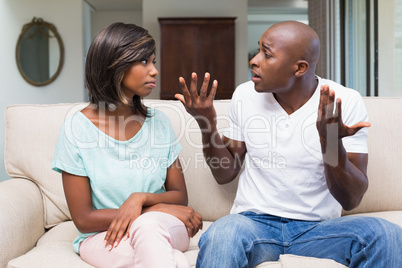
{"x":248,"y":239}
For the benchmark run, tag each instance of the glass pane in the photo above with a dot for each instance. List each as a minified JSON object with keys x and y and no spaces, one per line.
{"x":356,"y":59}
{"x":398,"y":47}
{"x":390,"y":48}
{"x":34,"y":54}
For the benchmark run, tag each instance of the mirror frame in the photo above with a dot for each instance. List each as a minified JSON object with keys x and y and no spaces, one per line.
{"x":40,"y":22}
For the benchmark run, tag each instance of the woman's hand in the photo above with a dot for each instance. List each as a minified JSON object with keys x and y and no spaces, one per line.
{"x":191,"y":219}
{"x":129,"y":211}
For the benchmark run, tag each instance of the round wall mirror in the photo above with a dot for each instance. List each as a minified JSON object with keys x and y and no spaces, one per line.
{"x":40,"y":52}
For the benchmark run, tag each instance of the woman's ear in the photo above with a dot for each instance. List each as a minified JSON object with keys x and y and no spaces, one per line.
{"x":302,"y":68}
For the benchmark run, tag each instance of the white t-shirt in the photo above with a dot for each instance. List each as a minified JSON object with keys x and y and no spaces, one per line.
{"x":284,"y":171}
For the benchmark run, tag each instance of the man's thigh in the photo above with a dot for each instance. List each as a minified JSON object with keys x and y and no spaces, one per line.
{"x":256,"y":237}
{"x":342,"y":239}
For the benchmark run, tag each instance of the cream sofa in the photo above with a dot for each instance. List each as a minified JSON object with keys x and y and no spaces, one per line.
{"x":35,"y":225}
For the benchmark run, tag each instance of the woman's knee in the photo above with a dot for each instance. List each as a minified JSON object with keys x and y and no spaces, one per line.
{"x":155,"y":220}
{"x":158,"y":225}
{"x":145,"y":223}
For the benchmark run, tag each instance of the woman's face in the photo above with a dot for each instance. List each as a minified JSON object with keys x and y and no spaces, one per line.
{"x":140,"y":78}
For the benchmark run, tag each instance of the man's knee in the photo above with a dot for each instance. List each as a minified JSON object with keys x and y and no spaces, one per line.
{"x":224,"y":243}
{"x":227,"y":230}
{"x":372,"y":229}
{"x":383,"y":229}
{"x":381,"y":241}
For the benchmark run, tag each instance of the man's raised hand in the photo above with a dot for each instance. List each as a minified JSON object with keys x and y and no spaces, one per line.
{"x":330,"y":120}
{"x":200,"y":106}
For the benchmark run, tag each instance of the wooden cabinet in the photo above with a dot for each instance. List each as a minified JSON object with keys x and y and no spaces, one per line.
{"x":197,"y":45}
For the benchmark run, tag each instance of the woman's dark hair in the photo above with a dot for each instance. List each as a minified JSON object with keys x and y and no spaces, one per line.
{"x":110,"y":55}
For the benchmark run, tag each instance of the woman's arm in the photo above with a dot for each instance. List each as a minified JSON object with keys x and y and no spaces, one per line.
{"x":78,"y":195}
{"x":173,"y":201}
{"x":176,"y":189}
{"x":117,"y":221}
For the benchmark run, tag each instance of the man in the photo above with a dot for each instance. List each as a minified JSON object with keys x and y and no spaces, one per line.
{"x":303,"y":142}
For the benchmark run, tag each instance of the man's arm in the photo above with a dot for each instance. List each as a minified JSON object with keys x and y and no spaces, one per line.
{"x":348,"y":181}
{"x":346,"y":173}
{"x":224,"y":156}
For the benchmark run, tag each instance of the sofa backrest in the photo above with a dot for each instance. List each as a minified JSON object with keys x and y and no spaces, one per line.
{"x":31,"y":136}
{"x":32,"y":131}
{"x":208,"y":198}
{"x":385,"y":156}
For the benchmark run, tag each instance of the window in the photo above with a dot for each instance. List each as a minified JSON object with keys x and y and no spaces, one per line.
{"x":361,"y":42}
{"x":398,"y":48}
{"x":360,"y":37}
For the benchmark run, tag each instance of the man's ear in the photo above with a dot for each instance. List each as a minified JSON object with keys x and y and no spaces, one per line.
{"x":302,"y":68}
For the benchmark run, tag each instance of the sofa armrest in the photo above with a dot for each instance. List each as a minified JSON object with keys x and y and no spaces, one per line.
{"x":21,"y":218}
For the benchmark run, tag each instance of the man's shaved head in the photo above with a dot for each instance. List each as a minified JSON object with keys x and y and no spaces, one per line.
{"x":301,"y":41}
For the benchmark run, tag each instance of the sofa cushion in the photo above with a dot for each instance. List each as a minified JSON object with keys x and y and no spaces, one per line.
{"x":291,"y":261}
{"x":21,"y":220}
{"x":32,"y":158}
{"x":270,"y":264}
{"x":385,"y":158}
{"x":205,"y":195}
{"x":392,"y":216}
{"x":30,"y":139}
{"x":54,"y":249}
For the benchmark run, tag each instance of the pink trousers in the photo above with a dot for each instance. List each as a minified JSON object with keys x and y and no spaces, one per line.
{"x":156,"y":240}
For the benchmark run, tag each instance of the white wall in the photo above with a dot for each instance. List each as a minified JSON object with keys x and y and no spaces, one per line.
{"x":153,"y":9}
{"x":386,"y":49}
{"x":68,"y":87}
{"x":259,"y":22}
{"x":101,"y":19}
{"x":67,"y":16}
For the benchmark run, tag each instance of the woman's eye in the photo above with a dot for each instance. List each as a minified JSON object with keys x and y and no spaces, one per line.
{"x":144,"y":61}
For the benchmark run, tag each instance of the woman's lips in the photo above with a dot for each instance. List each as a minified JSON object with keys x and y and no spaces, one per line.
{"x":152,"y":83}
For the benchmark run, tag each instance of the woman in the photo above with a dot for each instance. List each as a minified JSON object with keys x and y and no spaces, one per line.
{"x":121,"y":173}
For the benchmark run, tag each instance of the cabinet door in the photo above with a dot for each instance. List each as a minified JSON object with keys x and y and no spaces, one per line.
{"x":197,"y":45}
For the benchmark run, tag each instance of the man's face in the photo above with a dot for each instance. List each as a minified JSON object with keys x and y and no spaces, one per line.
{"x":273,"y":68}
